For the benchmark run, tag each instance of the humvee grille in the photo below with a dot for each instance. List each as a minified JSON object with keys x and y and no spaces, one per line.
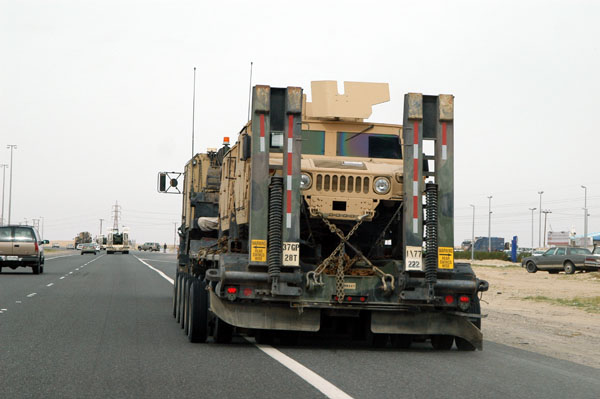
{"x":342,"y":184}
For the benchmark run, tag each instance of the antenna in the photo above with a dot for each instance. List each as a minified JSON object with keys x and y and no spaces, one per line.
{"x":193,"y":111}
{"x":116,"y":212}
{"x":250,"y":90}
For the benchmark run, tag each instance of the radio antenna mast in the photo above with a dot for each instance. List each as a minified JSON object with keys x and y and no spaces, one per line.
{"x":250,"y":90}
{"x":193,"y":111}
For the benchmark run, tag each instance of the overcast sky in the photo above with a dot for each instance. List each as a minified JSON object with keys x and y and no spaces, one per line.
{"x":97,"y":96}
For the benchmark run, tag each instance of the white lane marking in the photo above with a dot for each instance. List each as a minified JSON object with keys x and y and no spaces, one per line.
{"x":17,"y":301}
{"x":4,"y":310}
{"x":56,"y":257}
{"x":49,"y":285}
{"x":62,"y":277}
{"x":156,"y":260}
{"x":78,"y":268}
{"x":70,"y":272}
{"x":169,"y":279}
{"x":327,"y":388}
{"x":32,"y":294}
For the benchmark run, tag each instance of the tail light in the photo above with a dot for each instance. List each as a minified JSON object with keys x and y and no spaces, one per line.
{"x":37,"y":247}
{"x":464,"y":302}
{"x":231,"y":290}
{"x":449,"y":299}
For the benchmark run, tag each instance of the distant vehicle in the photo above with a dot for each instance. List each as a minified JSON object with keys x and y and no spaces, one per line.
{"x":556,"y":259}
{"x":70,"y":246}
{"x":118,"y":242}
{"x":97,"y":246}
{"x":481,"y":244}
{"x":150,"y":246}
{"x":56,"y":245}
{"x":79,"y":246}
{"x":88,"y":248}
{"x":21,"y":246}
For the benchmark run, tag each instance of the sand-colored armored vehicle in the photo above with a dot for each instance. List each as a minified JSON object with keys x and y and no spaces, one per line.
{"x":118,"y":242}
{"x":317,"y":220}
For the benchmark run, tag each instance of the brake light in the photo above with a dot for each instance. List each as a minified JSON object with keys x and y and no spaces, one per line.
{"x":464,"y":299}
{"x":232,"y":290}
{"x":349,"y":299}
{"x":362,"y":299}
{"x":37,"y":247}
{"x":247,"y":291}
{"x":449,"y":299}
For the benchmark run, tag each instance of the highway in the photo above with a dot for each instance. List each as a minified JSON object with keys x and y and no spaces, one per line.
{"x":101,"y":327}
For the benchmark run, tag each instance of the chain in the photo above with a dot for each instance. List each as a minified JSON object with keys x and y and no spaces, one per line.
{"x":339,"y":278}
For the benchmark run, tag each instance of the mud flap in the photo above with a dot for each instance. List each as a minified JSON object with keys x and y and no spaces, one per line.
{"x":426,"y":323}
{"x":265,"y":316}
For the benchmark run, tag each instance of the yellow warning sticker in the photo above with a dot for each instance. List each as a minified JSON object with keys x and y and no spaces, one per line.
{"x":258,"y":251}
{"x":445,"y":257}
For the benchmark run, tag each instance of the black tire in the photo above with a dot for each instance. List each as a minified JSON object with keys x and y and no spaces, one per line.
{"x":442,"y":342}
{"x":36,"y":268}
{"x":0,"y":269}
{"x":569,"y":267}
{"x":198,"y":319}
{"x":531,"y":267}
{"x":377,"y":340}
{"x":461,"y":343}
{"x":402,"y":341}
{"x":42,"y":269}
{"x":184,"y":294}
{"x":179,"y":295}
{"x":289,"y":338}
{"x":223,"y":332}
{"x":175,"y":285}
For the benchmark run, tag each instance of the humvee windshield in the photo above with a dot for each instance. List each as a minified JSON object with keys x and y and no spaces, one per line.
{"x":117,"y":239}
{"x":368,"y":145}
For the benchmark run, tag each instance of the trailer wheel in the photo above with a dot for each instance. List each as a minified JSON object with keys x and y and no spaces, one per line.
{"x":198,"y":319}
{"x":223,"y":332}
{"x":175,"y":285}
{"x":180,"y":296}
{"x":442,"y":342}
{"x":264,"y":337}
{"x":402,"y":341}
{"x":461,"y":343}
{"x":184,"y":299}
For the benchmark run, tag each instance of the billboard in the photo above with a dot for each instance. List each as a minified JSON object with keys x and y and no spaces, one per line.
{"x":558,"y":238}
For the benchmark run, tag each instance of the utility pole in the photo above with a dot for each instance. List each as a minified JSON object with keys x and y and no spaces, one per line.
{"x":174,"y":236}
{"x":585,"y":216}
{"x":540,"y":218}
{"x":42,"y":218}
{"x":490,"y":225}
{"x":36,"y":224}
{"x":545,"y":212}
{"x":101,"y":220}
{"x":473,"y":235}
{"x":532,"y":209}
{"x":3,"y":166}
{"x":12,"y":147}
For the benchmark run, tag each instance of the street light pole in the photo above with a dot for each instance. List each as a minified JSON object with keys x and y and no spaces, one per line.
{"x":585,"y":225}
{"x":174,"y":236}
{"x":545,"y":212}
{"x":490,"y":225}
{"x":12,"y":147}
{"x":101,"y":220}
{"x":532,"y":209}
{"x":540,"y":229}
{"x":3,"y":166}
{"x":473,"y":235}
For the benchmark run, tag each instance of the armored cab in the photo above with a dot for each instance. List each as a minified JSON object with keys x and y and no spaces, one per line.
{"x":320,"y":220}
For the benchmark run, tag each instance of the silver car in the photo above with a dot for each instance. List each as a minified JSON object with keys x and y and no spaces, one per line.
{"x":567,"y":259}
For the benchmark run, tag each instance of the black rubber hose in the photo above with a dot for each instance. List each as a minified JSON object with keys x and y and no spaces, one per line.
{"x":431,"y":225}
{"x":275,"y":244}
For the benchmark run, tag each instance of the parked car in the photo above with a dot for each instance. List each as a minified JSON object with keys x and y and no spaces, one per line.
{"x":88,"y":248}
{"x":70,"y":246}
{"x":150,"y":246}
{"x":21,"y":246}
{"x":538,"y":252}
{"x":556,"y":259}
{"x":79,"y":246}
{"x":55,"y":245}
{"x":97,"y":246}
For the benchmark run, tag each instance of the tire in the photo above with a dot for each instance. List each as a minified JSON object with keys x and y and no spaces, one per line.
{"x":377,"y":340}
{"x":289,"y":338}
{"x":264,"y":337}
{"x":223,"y":332}
{"x":461,"y":343}
{"x":36,"y":268}
{"x":442,"y":342}
{"x":531,"y":267}
{"x":402,"y":341}
{"x":42,"y":269}
{"x":569,"y":267}
{"x":183,"y":299}
{"x":179,"y":295}
{"x":198,"y":319}
{"x":0,"y":269}
{"x":175,"y":285}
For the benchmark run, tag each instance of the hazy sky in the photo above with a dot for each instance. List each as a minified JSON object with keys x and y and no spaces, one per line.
{"x":97,"y":96}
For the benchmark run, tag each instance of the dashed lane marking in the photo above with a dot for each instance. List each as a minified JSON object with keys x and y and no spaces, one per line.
{"x":56,"y":257}
{"x":62,"y":277}
{"x":32,"y":294}
{"x":49,"y":285}
{"x":156,"y":260}
{"x":320,"y":383}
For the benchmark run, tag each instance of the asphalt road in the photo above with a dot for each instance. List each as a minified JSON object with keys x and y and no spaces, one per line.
{"x":101,"y":327}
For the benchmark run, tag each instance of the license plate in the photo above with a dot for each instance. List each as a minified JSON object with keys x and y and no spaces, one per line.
{"x":12,"y":258}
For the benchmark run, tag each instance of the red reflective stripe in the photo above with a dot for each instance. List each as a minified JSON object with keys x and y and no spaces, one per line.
{"x":289,"y":163}
{"x":290,"y":126}
{"x":444,"y":134}
{"x":416,"y":130}
{"x":262,"y":125}
{"x":415,"y":207}
{"x":289,"y":201}
{"x":415,"y":170}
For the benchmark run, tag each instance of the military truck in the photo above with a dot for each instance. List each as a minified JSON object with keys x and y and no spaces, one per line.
{"x":118,"y":242}
{"x":318,"y":220}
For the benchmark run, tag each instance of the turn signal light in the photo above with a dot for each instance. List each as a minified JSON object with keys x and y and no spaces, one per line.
{"x":232,"y":290}
{"x":449,"y":299}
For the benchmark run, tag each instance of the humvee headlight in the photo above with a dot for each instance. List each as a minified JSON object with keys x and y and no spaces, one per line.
{"x":305,"y":181}
{"x":382,"y":185}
